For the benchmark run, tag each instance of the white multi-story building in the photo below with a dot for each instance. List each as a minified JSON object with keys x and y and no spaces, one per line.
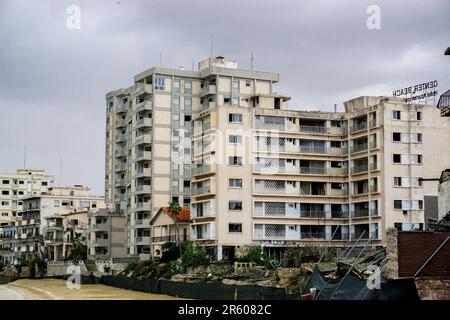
{"x":266,"y":175}
{"x":148,"y":145}
{"x":15,"y":186}
{"x":38,"y":223}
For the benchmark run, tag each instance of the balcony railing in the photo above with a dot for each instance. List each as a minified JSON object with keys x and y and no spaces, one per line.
{"x":208,"y":90}
{"x":144,"y":188}
{"x":171,"y":238}
{"x":200,"y":190}
{"x":364,"y":235}
{"x":339,"y":214}
{"x":359,"y":168}
{"x":314,"y":129}
{"x":145,"y":122}
{"x":359,"y":147}
{"x":313,"y":214}
{"x":359,"y":126}
{"x":145,"y":105}
{"x":308,"y":149}
{"x":313,"y":170}
{"x":146,"y":138}
{"x":143,"y":155}
{"x":201,"y":169}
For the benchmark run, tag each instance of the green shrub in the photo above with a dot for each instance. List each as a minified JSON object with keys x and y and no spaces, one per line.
{"x":254,"y":254}
{"x":194,"y":256}
{"x":170,"y":252}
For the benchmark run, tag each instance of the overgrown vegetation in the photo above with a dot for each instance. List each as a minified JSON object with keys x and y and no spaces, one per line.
{"x":78,"y":251}
{"x":311,"y":250}
{"x":170,"y":252}
{"x":36,"y":262}
{"x":256,"y":255}
{"x":194,"y":256}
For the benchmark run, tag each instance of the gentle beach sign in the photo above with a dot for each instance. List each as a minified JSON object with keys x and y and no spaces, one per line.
{"x":418,"y":92}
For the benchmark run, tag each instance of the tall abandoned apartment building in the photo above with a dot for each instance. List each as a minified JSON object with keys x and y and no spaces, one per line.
{"x":221,"y":141}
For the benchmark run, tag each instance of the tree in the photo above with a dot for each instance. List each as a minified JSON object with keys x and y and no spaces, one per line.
{"x":78,"y":251}
{"x":175,"y":210}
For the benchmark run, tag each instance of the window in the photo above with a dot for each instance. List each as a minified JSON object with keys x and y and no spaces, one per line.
{"x":408,"y":204}
{"x":235,"y":160}
{"x":187,"y":105}
{"x":235,"y":205}
{"x":419,"y":115}
{"x":5,"y":192}
{"x":396,"y":158}
{"x":235,"y":183}
{"x":5,"y":181}
{"x":44,"y":183}
{"x":335,"y":144}
{"x":235,"y":86}
{"x":21,"y":182}
{"x":396,"y":136}
{"x":159,"y":83}
{"x":176,"y":85}
{"x":187,"y":86}
{"x":5,"y":203}
{"x":235,"y":101}
{"x":396,"y":115}
{"x":419,"y":137}
{"x":235,"y":227}
{"x":248,"y":83}
{"x":226,"y":100}
{"x":233,"y":139}
{"x":235,"y":118}
{"x":85,"y":204}
{"x":416,"y":159}
{"x":56,"y":203}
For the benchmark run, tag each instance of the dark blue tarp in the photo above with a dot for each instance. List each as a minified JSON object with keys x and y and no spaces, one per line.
{"x":353,"y":288}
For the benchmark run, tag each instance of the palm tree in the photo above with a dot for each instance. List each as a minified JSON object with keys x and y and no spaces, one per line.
{"x":78,"y":251}
{"x":175,"y":210}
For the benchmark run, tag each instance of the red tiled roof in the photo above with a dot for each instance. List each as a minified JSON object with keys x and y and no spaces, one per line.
{"x":183,"y":216}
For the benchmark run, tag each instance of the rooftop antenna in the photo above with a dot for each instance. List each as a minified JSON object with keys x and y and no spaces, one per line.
{"x":251,"y":62}
{"x":25,"y":157}
{"x":192,"y":64}
{"x":160,"y":59}
{"x":60,"y":171}
{"x":211,"y":51}
{"x":335,"y":108}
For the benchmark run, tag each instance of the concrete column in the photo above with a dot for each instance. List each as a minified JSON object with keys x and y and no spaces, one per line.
{"x":56,"y":256}
{"x":219,"y":253}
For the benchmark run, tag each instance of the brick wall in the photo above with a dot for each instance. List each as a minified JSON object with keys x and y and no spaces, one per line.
{"x":414,"y":248}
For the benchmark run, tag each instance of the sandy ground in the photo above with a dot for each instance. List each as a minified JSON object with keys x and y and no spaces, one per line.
{"x":53,"y":289}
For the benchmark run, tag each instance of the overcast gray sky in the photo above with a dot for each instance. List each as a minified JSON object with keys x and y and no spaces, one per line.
{"x":53,"y":80}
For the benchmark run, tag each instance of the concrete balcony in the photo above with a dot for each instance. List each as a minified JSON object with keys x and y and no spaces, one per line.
{"x":141,"y":240}
{"x":119,"y":182}
{"x":141,"y":88}
{"x":144,"y":123}
{"x":359,"y":169}
{"x":338,"y":193}
{"x":143,"y":223}
{"x":314,"y":129}
{"x":120,"y":153}
{"x":358,"y":127}
{"x":121,"y":123}
{"x":121,"y":138}
{"x":317,"y":150}
{"x":144,"y":106}
{"x":145,"y":172}
{"x":209,"y":90}
{"x":203,"y":190}
{"x":100,"y":243}
{"x":202,"y":170}
{"x":143,"y":206}
{"x":144,"y":139}
{"x":100,"y":227}
{"x":122,"y":108}
{"x":119,"y":167}
{"x":144,"y":189}
{"x":144,"y":156}
{"x":337,"y":171}
{"x":360,"y":147}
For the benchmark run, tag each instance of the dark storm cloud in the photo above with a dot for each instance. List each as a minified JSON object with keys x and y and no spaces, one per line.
{"x":53,"y":80}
